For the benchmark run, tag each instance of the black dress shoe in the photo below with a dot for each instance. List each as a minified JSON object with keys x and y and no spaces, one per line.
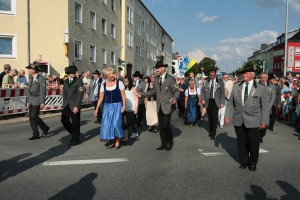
{"x":270,"y":129}
{"x":45,"y":132}
{"x":34,"y":138}
{"x":150,"y":129}
{"x":118,"y":147}
{"x":161,"y":147}
{"x":212,"y":137}
{"x":252,"y":168}
{"x":74,"y":143}
{"x":201,"y":118}
{"x":243,"y":166}
{"x":168,"y":147}
{"x":96,"y":121}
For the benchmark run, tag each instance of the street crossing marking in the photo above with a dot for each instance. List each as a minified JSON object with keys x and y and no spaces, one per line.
{"x":262,"y":150}
{"x":213,"y":154}
{"x":83,"y":162}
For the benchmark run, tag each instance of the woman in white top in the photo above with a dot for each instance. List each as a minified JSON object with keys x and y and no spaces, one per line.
{"x":115,"y":104}
{"x":192,"y":100}
{"x":132,"y":103}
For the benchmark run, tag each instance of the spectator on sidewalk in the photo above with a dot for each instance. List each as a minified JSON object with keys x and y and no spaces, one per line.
{"x":21,"y":78}
{"x":8,"y":79}
{"x":86,"y":79}
{"x":7,"y":69}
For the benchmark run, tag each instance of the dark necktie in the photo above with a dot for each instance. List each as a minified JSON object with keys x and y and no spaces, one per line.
{"x":211,"y":93}
{"x":94,"y":85}
{"x":246,"y":93}
{"x":160,"y":80}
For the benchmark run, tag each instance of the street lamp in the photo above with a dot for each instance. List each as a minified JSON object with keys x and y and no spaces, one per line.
{"x":264,"y":50}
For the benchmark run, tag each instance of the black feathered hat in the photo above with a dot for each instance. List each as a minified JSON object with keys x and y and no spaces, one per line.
{"x":71,"y":69}
{"x":161,"y":62}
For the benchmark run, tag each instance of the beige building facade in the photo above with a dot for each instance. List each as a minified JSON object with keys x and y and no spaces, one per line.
{"x":92,"y":34}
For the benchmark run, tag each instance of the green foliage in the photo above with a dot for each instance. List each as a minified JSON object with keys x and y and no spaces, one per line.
{"x":206,"y":63}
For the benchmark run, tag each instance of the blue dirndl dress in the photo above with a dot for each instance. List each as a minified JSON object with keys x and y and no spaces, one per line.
{"x":111,"y":117}
{"x":192,"y":105}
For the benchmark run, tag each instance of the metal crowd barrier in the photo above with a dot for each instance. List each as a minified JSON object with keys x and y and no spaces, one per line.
{"x":14,"y":100}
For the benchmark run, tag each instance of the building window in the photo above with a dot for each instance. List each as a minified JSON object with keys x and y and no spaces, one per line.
{"x":104,"y":1}
{"x":297,"y":64}
{"x":297,"y":51}
{"x":8,"y":7}
{"x":129,"y":38}
{"x":112,"y":58}
{"x":78,"y":13}
{"x":138,"y":30}
{"x":92,"y":20}
{"x":104,"y":56}
{"x":104,"y":26}
{"x":8,"y":46}
{"x":138,"y":10}
{"x":113,"y":31}
{"x":78,"y":50}
{"x":129,"y":14}
{"x":113,"y":5}
{"x":92,"y":53}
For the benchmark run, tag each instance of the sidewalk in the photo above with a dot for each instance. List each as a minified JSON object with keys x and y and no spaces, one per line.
{"x":17,"y":119}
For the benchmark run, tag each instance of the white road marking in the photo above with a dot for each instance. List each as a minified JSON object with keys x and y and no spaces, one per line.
{"x":262,"y":150}
{"x":200,"y":150}
{"x":213,"y":154}
{"x":83,"y":162}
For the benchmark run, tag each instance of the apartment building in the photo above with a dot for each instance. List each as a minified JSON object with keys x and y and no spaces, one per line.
{"x":92,"y":34}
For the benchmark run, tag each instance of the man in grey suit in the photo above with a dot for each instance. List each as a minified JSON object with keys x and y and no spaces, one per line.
{"x":166,"y":90}
{"x":140,"y":87}
{"x":248,"y":107}
{"x":36,"y":100}
{"x":213,"y":97}
{"x":277,"y":102}
{"x":271,"y":94}
{"x":93,"y":91}
{"x":72,"y":98}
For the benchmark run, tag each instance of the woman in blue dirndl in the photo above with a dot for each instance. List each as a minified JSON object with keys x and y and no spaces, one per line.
{"x":192,"y":100}
{"x":112,"y":92}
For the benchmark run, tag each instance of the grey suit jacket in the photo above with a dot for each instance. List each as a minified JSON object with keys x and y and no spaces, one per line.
{"x":164,"y":93}
{"x":37,"y":91}
{"x":256,"y":108}
{"x":140,"y":88}
{"x":73,"y":93}
{"x":219,"y":94}
{"x":277,"y":96}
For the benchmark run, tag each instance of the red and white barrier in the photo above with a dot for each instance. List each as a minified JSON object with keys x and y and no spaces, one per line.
{"x":14,"y":100}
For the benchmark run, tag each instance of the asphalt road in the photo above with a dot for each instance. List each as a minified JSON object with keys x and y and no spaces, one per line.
{"x":196,"y":167}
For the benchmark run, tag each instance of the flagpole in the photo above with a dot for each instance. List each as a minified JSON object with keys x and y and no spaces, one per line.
{"x":286,"y":36}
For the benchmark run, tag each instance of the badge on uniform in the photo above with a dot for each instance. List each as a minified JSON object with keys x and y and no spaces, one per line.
{"x":80,"y":89}
{"x":166,"y":87}
{"x":176,"y":85}
{"x":43,"y":84}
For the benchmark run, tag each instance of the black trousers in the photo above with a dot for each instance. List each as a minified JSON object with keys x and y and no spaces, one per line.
{"x":74,"y":127}
{"x":247,"y":144}
{"x":272,"y":118}
{"x":141,"y":113}
{"x":212,"y":113}
{"x":165,"y":130}
{"x":35,"y":120}
{"x":181,"y":109}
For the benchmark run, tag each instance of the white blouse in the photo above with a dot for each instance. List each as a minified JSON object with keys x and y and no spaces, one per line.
{"x":121,"y":87}
{"x":192,"y":93}
{"x":130,"y":101}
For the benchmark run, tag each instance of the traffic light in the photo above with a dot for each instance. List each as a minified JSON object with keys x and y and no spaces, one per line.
{"x":121,"y":62}
{"x":173,"y":68}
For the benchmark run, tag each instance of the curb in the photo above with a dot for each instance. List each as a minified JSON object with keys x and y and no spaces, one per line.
{"x":22,"y":120}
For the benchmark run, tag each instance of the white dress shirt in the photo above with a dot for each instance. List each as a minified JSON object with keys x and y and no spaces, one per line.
{"x":249,"y":88}
{"x":210,"y":82}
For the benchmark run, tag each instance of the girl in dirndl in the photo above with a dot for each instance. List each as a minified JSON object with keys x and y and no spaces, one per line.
{"x":192,"y":100}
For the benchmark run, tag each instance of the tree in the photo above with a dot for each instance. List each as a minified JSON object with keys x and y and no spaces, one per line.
{"x":207,"y":64}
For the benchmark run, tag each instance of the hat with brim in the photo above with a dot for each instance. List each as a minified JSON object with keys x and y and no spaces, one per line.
{"x":71,"y":69}
{"x":272,"y":77}
{"x":160,"y":64}
{"x":35,"y":66}
{"x":248,"y":68}
{"x":96,"y":72}
{"x":137,"y":74}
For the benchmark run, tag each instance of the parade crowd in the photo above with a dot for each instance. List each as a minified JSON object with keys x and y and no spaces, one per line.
{"x":122,"y":103}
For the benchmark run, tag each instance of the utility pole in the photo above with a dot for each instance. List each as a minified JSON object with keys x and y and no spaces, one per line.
{"x":286,"y":36}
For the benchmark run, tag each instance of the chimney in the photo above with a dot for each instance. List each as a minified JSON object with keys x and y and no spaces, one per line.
{"x":263,"y":46}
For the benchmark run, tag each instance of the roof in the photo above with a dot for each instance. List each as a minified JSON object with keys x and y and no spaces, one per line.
{"x":156,"y":20}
